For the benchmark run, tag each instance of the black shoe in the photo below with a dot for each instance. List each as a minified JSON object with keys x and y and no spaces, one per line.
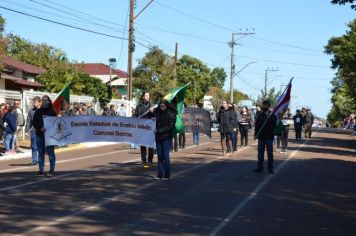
{"x":271,"y":172}
{"x":257,"y":170}
{"x":40,"y":173}
{"x":50,"y":174}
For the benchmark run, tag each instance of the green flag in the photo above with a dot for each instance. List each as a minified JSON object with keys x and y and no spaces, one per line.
{"x":176,"y":96}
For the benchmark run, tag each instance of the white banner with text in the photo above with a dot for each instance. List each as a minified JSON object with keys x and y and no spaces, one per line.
{"x":78,"y":129}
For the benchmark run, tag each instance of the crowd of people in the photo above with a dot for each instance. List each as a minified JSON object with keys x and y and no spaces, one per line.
{"x":232,"y":119}
{"x":350,"y":123}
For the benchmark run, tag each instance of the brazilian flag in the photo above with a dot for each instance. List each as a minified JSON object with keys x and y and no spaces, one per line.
{"x":176,"y":97}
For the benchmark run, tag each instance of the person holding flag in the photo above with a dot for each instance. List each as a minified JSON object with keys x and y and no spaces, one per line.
{"x":165,"y":123}
{"x":267,"y":125}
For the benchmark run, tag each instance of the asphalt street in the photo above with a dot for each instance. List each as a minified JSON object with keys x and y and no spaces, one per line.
{"x":105,"y":191}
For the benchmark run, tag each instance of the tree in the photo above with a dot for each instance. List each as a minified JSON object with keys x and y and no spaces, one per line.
{"x":217,"y":97}
{"x":343,"y":50}
{"x":59,"y":71}
{"x":153,"y":73}
{"x":343,"y":2}
{"x":272,"y":95}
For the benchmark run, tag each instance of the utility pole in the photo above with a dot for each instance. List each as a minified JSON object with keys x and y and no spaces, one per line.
{"x":266,"y":78}
{"x":175,"y":66}
{"x":131,"y":49}
{"x":131,"y":46}
{"x":232,"y":66}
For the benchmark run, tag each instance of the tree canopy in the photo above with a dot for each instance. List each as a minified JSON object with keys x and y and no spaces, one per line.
{"x":154,"y":74}
{"x":343,"y":2}
{"x":343,"y":49}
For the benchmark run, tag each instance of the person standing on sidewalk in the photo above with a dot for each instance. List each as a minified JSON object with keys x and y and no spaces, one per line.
{"x":309,"y":120}
{"x":143,"y":111}
{"x":244,"y":126}
{"x":30,"y":129}
{"x":235,"y":132}
{"x":20,"y":123}
{"x":265,"y":125}
{"x":298,"y":125}
{"x":10,"y":130}
{"x":226,"y":120}
{"x":46,"y":109}
{"x":165,"y":123}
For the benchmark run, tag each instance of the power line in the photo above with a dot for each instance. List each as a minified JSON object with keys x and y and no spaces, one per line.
{"x":196,"y":18}
{"x":285,"y":45}
{"x":284,"y":62}
{"x":63,"y":24}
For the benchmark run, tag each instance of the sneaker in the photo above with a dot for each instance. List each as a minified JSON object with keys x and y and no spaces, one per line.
{"x":34,"y":163}
{"x":146,"y":165}
{"x":156,"y":178}
{"x":257,"y":170}
{"x":271,"y":172}
{"x":278,"y":150}
{"x":50,"y":174}
{"x":40,"y":173}
{"x":149,"y":163}
{"x":165,"y":178}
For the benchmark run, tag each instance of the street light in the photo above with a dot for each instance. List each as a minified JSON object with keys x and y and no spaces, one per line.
{"x":235,"y":74}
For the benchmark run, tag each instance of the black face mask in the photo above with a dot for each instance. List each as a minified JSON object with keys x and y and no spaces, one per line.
{"x":45,"y":104}
{"x":265,"y":109}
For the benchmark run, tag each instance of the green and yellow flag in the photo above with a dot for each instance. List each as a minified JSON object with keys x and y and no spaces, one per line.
{"x":176,"y":97}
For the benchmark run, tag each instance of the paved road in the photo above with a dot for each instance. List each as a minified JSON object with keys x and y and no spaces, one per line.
{"x":104,"y":191}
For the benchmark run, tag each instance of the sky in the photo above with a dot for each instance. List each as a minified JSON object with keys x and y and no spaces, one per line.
{"x":289,"y":37}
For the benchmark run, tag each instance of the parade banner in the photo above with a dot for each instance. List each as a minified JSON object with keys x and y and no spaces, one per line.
{"x":78,"y":129}
{"x":197,"y":118}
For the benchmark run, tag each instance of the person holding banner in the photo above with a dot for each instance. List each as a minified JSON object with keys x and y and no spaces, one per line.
{"x":264,"y":131}
{"x":143,"y":111}
{"x":45,"y":110}
{"x":165,"y":123}
{"x":226,"y":120}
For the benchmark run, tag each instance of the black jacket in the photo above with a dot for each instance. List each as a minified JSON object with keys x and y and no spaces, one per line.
{"x":165,"y":123}
{"x":38,"y":119}
{"x":226,"y":120}
{"x":142,"y":108}
{"x":29,"y":126}
{"x":267,"y":130}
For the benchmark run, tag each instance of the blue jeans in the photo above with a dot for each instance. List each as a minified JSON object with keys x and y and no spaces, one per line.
{"x":196,"y":138}
{"x":262,"y":144}
{"x":164,"y":163}
{"x":41,"y":154}
{"x":34,"y":147}
{"x":9,"y":141}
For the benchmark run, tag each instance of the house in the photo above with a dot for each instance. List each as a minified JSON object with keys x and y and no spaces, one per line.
{"x":114,"y":77}
{"x":18,"y":76}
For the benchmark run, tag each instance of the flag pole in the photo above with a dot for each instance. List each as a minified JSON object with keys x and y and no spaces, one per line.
{"x":271,"y":113}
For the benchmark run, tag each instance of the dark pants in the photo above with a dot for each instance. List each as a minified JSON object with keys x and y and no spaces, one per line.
{"x":234,"y":138}
{"x":181,"y":140}
{"x":164,"y":163}
{"x":307,"y":130}
{"x":262,"y":145}
{"x":174,"y":143}
{"x":143,"y":150}
{"x":41,"y":154}
{"x":298,"y":132}
{"x":244,"y":134}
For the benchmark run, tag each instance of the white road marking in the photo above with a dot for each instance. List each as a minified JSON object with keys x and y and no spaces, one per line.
{"x":98,"y":205}
{"x":253,"y":194}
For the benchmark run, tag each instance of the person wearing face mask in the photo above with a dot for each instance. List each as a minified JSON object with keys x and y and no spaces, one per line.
{"x":165,"y":122}
{"x":264,"y":127}
{"x":46,"y":109}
